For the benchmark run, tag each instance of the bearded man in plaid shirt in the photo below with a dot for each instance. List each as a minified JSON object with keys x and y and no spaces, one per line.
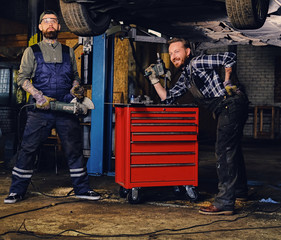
{"x":229,"y":105}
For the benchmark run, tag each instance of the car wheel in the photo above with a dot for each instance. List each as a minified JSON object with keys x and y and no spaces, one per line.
{"x":247,"y":14}
{"x":82,"y":21}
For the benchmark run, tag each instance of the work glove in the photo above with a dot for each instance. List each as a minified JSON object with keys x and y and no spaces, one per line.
{"x":42,"y":101}
{"x":152,"y":74}
{"x":77,"y":91}
{"x":81,"y":109}
{"x":230,"y":89}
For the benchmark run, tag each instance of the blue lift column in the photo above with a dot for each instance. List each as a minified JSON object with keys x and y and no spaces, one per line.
{"x":101,"y":116}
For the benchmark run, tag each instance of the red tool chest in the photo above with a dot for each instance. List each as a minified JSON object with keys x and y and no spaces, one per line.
{"x":155,"y":145}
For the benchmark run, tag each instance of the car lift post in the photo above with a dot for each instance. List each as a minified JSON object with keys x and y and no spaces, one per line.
{"x":101,"y":116}
{"x":100,"y":160}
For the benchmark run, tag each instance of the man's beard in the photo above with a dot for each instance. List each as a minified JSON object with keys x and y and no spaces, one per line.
{"x":50,"y":34}
{"x":186,"y":62}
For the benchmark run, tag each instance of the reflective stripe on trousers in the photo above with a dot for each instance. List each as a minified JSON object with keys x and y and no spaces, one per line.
{"x":37,"y":130}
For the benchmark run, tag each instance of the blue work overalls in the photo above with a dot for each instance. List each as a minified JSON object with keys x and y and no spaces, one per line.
{"x":54,"y":80}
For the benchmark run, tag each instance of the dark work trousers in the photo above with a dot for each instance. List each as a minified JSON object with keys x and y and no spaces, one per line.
{"x":38,"y":127}
{"x":232,"y":180}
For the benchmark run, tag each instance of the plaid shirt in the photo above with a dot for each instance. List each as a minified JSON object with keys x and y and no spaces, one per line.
{"x":203,"y":71}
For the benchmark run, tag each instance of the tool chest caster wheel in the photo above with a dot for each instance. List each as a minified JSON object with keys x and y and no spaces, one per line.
{"x":191,"y":193}
{"x":135,"y":196}
{"x":179,"y":191}
{"x":123,"y":192}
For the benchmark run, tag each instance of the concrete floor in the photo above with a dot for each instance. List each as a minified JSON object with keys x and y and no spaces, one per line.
{"x":161,"y":216}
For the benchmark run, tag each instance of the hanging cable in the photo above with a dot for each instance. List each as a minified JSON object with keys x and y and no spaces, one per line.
{"x":19,"y":142}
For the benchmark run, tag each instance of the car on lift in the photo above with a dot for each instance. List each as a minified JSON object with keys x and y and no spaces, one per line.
{"x":94,"y":17}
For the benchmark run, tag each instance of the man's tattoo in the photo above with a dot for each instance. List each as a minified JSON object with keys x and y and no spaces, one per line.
{"x":28,"y":87}
{"x":75,"y":83}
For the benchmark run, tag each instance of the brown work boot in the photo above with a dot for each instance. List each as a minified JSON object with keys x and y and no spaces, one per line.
{"x":213,"y":210}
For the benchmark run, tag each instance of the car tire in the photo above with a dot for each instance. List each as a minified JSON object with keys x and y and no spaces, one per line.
{"x":83,"y":22}
{"x":247,"y":14}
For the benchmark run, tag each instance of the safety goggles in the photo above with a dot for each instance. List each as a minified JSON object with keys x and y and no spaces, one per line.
{"x":50,"y":20}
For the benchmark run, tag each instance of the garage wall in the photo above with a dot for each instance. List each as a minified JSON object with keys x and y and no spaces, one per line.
{"x":256,"y":70}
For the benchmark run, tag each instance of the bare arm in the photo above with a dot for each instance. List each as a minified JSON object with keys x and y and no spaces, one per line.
{"x":28,"y":87}
{"x":160,"y":91}
{"x":228,"y":72}
{"x":75,"y":83}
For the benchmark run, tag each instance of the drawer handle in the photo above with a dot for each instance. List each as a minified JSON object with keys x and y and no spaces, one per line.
{"x":163,"y":118}
{"x":162,"y":165}
{"x":164,"y":124}
{"x":153,"y":142}
{"x":160,"y":112}
{"x":162,"y":153}
{"x":164,"y":133}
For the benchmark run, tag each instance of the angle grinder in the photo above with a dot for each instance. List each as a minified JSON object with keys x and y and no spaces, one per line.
{"x":74,"y":107}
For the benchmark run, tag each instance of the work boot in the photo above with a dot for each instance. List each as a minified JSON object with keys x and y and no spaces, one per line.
{"x":213,"y":210}
{"x":13,"y":198}
{"x":90,"y":195}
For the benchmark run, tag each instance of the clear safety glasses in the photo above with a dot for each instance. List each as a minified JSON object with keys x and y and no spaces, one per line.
{"x":50,"y":20}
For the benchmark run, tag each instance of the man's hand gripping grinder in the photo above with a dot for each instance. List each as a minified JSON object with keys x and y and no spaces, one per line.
{"x":74,"y":107}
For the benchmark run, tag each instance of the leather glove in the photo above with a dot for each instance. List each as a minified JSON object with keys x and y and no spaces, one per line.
{"x":152,"y":77}
{"x":42,"y":101}
{"x":77,"y":91}
{"x":230,"y":89}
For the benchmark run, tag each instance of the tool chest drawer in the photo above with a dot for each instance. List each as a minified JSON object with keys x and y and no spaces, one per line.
{"x":162,"y":174}
{"x":163,"y":152}
{"x":156,"y":145}
{"x":163,"y":136}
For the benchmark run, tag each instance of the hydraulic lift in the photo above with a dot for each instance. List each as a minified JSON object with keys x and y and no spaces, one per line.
{"x":100,"y":160}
